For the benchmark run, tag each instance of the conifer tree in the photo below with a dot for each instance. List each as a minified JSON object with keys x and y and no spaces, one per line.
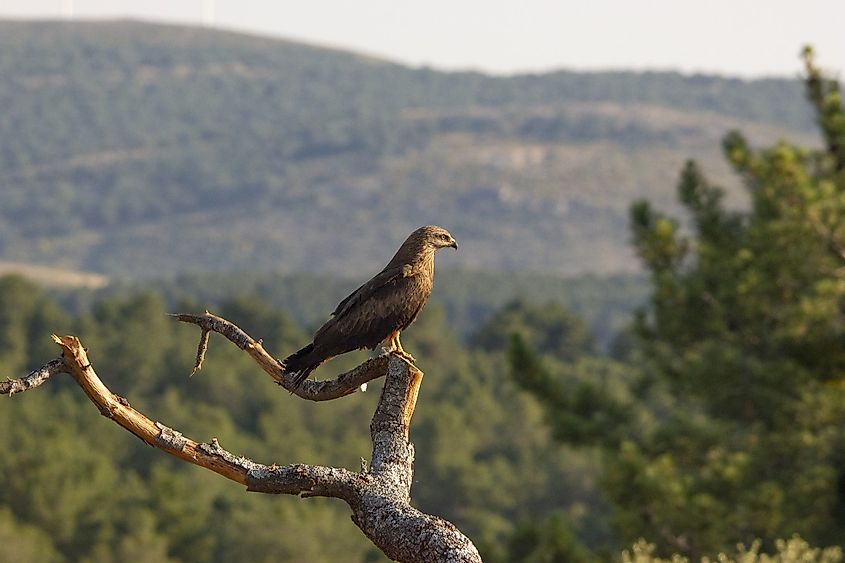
{"x":742,"y":363}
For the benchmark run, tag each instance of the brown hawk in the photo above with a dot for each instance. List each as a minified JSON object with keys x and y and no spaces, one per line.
{"x":380,"y":309}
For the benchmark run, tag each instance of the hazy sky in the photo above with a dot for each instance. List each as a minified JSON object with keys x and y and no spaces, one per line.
{"x":738,"y":37}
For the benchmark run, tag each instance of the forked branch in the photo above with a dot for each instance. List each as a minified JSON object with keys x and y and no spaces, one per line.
{"x":342,"y":385}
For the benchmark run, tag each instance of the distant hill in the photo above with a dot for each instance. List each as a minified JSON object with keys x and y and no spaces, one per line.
{"x":134,"y":149}
{"x":50,"y":277}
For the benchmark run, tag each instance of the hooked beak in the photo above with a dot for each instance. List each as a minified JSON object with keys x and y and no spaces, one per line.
{"x":454,"y":244}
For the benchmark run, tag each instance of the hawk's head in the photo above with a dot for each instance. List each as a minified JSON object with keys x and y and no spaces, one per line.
{"x":422,"y":244}
{"x":435,"y":237}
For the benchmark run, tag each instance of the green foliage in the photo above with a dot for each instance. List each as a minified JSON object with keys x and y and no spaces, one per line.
{"x":794,"y":550}
{"x":25,"y":543}
{"x":550,"y":327}
{"x":551,"y":541}
{"x":26,"y":319}
{"x":586,"y":400}
{"x":826,"y":98}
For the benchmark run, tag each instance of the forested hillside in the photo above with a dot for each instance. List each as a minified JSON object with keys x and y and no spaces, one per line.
{"x":78,"y":488}
{"x":148,"y":150}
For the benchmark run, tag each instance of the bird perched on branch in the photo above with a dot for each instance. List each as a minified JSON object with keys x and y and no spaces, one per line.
{"x":380,"y":309}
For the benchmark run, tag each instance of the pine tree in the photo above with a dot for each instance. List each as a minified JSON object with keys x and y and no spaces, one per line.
{"x":740,"y":428}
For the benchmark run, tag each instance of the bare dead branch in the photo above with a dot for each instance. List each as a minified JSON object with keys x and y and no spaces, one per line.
{"x":326,"y":390}
{"x":297,"y":478}
{"x":34,"y":378}
{"x":202,"y":348}
{"x":379,"y":496}
{"x":118,"y":410}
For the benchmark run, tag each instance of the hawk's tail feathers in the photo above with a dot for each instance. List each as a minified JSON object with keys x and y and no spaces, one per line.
{"x":299,"y":377}
{"x":298,"y":366}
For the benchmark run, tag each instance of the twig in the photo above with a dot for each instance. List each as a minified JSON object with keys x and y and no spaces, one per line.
{"x":201,"y":350}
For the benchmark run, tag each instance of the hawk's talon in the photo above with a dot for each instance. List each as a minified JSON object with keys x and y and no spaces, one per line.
{"x":405,"y":355}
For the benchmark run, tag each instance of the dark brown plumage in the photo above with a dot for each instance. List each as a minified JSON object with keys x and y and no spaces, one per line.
{"x":380,"y":309}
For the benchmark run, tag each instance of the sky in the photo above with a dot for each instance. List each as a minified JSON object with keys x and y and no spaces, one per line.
{"x":747,"y":38}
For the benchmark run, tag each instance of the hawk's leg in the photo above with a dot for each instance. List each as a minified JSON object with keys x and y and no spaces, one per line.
{"x":402,"y":351}
{"x":393,"y":344}
{"x":388,"y":345}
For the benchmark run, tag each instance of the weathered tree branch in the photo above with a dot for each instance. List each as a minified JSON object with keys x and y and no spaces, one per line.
{"x":34,"y":378}
{"x":342,"y":385}
{"x":379,"y":497}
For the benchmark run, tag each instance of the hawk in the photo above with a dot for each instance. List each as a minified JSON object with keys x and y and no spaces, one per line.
{"x":380,"y":309}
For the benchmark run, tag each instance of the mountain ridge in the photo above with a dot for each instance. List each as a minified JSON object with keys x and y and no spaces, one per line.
{"x":137,"y":149}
